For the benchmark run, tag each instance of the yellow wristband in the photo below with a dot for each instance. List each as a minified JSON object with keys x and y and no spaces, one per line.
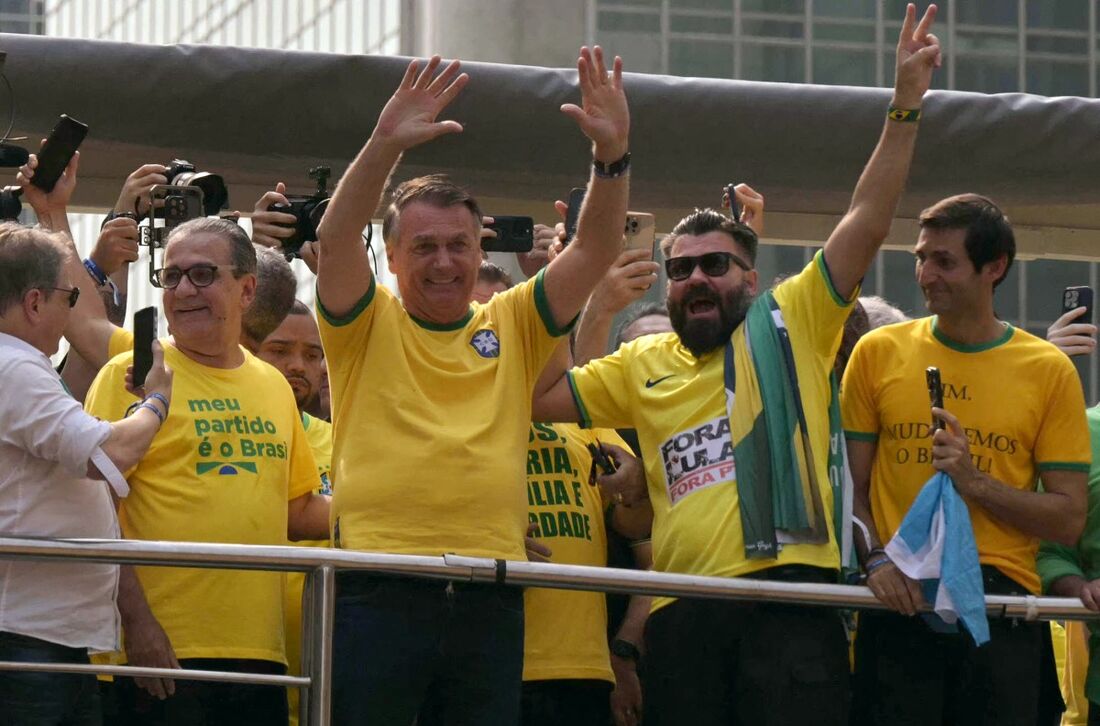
{"x":905,"y":115}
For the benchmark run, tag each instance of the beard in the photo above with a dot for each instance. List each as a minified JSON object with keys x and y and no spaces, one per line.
{"x":701,"y":336}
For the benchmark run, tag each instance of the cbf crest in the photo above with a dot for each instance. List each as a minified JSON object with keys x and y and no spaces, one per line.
{"x":486,"y":343}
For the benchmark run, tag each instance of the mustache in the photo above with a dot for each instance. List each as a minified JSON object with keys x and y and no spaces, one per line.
{"x":700,"y":292}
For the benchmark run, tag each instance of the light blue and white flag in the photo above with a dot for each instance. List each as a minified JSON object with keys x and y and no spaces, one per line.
{"x":935,"y":544}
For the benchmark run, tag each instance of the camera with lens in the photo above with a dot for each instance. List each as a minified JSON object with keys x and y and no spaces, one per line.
{"x":307,"y":212}
{"x":215,"y":196}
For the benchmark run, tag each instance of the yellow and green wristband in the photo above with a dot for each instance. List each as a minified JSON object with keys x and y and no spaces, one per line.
{"x":904,"y":115}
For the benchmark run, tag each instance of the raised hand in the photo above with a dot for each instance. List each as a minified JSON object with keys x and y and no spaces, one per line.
{"x":45,"y":202}
{"x":117,"y":244}
{"x":603,"y":115}
{"x":409,"y":117}
{"x":918,"y":54}
{"x":134,"y":196}
{"x":1073,"y":338}
{"x":269,"y":229}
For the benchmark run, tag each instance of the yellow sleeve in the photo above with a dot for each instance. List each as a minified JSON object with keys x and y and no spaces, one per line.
{"x":344,"y":336}
{"x":812,"y":306}
{"x":1063,"y":441}
{"x":122,"y":341}
{"x":528,"y":306}
{"x":857,"y":395}
{"x":599,"y":390}
{"x":303,"y":467}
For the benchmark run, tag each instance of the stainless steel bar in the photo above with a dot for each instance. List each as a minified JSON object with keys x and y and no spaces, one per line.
{"x":180,"y":674}
{"x":324,"y":598}
{"x":195,"y":554}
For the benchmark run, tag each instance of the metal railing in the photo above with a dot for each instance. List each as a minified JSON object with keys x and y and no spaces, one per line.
{"x":319,"y":594}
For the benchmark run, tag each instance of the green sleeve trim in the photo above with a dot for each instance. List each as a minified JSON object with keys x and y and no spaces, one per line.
{"x":586,"y":420}
{"x":860,"y":436}
{"x":543,"y":306}
{"x":337,"y":321}
{"x":1064,"y":466}
{"x":823,"y":268}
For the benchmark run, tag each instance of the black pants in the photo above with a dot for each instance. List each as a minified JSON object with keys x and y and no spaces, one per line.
{"x":908,"y":674}
{"x":45,"y":699}
{"x":573,"y":702}
{"x":713,"y":662}
{"x":202,"y":703}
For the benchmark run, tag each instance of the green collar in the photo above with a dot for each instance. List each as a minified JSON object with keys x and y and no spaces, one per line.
{"x":971,"y":347}
{"x":437,"y":327}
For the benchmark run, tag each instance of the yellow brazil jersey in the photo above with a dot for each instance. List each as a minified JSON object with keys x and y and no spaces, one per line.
{"x":122,"y":341}
{"x":1018,"y":398}
{"x":319,"y":435}
{"x":677,"y":403}
{"x":429,"y":423}
{"x":221,"y":469}
{"x":566,"y":630}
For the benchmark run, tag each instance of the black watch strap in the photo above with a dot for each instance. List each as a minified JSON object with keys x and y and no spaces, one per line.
{"x":612,"y":170}
{"x":625,"y":649}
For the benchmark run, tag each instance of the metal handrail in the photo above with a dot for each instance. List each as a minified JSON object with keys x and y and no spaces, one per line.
{"x":319,"y":595}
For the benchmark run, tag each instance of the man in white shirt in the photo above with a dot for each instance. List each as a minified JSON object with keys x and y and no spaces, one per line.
{"x":54,"y":460}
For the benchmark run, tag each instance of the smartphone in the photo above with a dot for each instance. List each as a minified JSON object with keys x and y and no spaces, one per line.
{"x":145,"y":332}
{"x":514,"y":234}
{"x":1077,"y":297}
{"x":640,"y":232}
{"x":573,"y":214}
{"x":729,"y":201}
{"x":601,"y":460}
{"x":58,"y":150}
{"x":935,"y":394}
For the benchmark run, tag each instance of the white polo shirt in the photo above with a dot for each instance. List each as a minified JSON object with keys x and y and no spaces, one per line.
{"x":46,"y":442}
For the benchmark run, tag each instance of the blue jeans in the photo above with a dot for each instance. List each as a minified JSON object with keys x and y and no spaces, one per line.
{"x":46,"y":699}
{"x":426,"y":649}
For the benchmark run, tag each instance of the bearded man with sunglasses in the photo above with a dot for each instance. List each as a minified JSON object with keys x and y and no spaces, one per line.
{"x":733,"y":416}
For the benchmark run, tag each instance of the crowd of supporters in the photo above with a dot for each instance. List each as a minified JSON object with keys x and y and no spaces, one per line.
{"x":781,"y":433}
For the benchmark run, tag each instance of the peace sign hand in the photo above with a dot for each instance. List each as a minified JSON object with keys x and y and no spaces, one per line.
{"x":918,"y":54}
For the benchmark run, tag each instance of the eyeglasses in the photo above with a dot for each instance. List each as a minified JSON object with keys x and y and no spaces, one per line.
{"x":74,"y":294}
{"x":169,"y":278}
{"x":713,"y":264}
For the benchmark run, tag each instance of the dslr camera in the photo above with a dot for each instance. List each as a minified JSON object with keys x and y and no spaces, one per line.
{"x":215,"y":196}
{"x":307,"y":212}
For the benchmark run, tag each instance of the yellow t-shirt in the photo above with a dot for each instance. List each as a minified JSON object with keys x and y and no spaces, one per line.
{"x":221,"y":469}
{"x":677,"y":403}
{"x":319,"y":435}
{"x":122,"y":341}
{"x":1018,"y":398}
{"x":566,"y":633}
{"x":429,"y":423}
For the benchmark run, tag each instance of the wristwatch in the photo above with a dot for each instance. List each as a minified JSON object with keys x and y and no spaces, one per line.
{"x":625,"y":649}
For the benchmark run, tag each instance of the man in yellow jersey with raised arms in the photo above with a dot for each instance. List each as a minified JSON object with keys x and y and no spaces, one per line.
{"x":733,"y":419}
{"x":431,"y":406}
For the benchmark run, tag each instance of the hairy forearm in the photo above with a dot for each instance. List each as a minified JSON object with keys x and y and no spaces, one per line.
{"x":593,"y":332}
{"x":130,"y":438}
{"x":876,"y":195}
{"x":132,"y":605}
{"x":357,"y":196}
{"x":1052,"y":516}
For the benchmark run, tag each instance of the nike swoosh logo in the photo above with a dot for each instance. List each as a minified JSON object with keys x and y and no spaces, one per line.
{"x":650,"y":383}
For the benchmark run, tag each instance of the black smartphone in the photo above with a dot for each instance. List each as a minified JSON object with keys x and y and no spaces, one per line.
{"x":573,"y":214}
{"x":1079,"y":296}
{"x":729,"y":201}
{"x":145,"y":332}
{"x":935,"y":394}
{"x":58,"y":150}
{"x":601,"y":460}
{"x":514,"y":234}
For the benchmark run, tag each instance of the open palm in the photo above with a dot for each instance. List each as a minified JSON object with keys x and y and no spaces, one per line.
{"x":603,"y":115}
{"x":409,"y":118}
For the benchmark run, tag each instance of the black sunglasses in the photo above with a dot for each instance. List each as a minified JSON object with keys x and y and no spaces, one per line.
{"x":713,"y":264}
{"x":74,"y":294}
{"x":169,"y":278}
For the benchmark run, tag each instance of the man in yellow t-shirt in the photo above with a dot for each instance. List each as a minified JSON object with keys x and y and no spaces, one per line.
{"x":752,"y":663}
{"x":567,"y":674}
{"x":230,"y":464}
{"x":294,"y":349}
{"x":1014,"y":414}
{"x":431,"y":407}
